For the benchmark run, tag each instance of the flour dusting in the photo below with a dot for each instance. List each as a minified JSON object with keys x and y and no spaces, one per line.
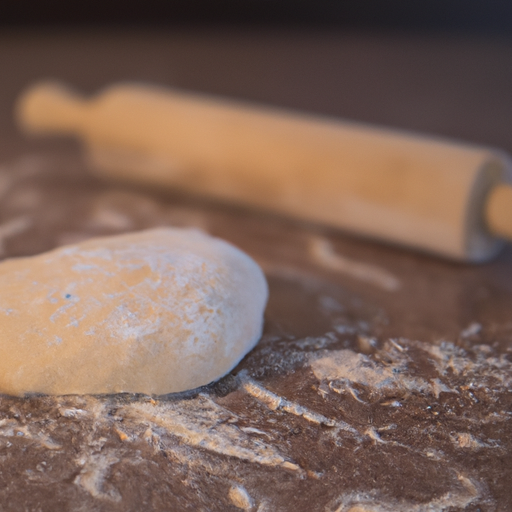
{"x":323,"y":252}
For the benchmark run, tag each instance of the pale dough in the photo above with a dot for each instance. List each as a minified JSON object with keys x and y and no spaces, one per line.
{"x":154,"y":312}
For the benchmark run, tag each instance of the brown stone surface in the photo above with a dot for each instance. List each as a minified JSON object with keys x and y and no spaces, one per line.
{"x":382,"y":382}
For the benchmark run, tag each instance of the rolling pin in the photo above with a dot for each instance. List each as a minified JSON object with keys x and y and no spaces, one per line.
{"x":446,"y":198}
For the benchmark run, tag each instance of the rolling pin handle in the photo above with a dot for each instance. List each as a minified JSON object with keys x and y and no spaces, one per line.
{"x":49,"y":107}
{"x":498,"y":212}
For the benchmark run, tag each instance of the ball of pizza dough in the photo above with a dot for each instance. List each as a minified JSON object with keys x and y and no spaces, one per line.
{"x":156,"y":312}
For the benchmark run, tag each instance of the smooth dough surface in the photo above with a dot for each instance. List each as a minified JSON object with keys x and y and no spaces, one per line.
{"x":154,"y":312}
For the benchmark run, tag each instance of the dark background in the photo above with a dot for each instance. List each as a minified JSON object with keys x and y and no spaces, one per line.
{"x":473,"y":15}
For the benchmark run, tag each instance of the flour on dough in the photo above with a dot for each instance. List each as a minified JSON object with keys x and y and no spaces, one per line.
{"x":154,"y":312}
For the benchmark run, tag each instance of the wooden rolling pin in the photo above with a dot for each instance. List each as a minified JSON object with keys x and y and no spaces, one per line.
{"x":434,"y":195}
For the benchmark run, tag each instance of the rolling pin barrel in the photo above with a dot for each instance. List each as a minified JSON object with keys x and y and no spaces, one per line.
{"x":421,"y":192}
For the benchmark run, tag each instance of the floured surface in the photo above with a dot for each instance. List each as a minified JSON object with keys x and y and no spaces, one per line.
{"x":360,"y":397}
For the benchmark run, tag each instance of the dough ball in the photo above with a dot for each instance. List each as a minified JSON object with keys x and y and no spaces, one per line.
{"x":154,"y":312}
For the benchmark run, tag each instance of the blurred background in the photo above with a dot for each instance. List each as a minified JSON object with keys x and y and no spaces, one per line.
{"x":459,"y":14}
{"x":442,"y":66}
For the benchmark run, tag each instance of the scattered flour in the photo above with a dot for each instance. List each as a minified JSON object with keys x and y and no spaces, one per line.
{"x":13,"y":227}
{"x":240,"y":497}
{"x":323,"y":252}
